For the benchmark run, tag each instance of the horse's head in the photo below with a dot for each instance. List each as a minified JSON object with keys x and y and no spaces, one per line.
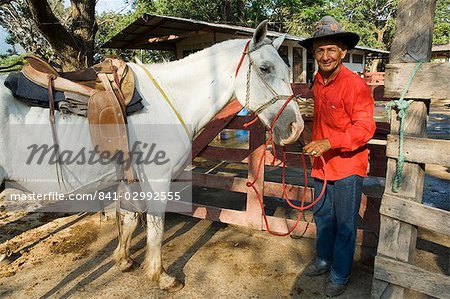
{"x":263,"y":85}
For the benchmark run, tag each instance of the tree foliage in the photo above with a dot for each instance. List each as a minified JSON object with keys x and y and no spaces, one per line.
{"x":16,"y":18}
{"x":64,"y":36}
{"x":441,"y":33}
{"x":373,"y":20}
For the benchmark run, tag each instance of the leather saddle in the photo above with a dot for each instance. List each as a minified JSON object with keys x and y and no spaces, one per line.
{"x":106,"y":88}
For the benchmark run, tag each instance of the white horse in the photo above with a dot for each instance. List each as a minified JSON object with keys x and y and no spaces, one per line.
{"x":198,"y":87}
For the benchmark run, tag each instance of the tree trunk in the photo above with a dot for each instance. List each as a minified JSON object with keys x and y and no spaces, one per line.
{"x":74,"y":45}
{"x":240,"y":11}
{"x":374,"y":66}
{"x":380,"y":35}
{"x":226,"y":15}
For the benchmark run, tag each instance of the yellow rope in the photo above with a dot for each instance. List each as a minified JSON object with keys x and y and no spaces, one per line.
{"x":167,"y":100}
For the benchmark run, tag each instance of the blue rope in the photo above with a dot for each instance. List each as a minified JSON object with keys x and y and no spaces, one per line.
{"x":402,"y":107}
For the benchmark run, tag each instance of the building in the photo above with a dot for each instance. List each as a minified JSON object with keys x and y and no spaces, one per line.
{"x":440,"y":53}
{"x":185,"y":36}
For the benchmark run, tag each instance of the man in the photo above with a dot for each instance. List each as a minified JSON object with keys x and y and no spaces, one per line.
{"x":343,"y":124}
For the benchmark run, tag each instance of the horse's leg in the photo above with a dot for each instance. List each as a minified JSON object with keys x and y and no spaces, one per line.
{"x":126,"y":223}
{"x":152,"y":264}
{"x":153,"y":259}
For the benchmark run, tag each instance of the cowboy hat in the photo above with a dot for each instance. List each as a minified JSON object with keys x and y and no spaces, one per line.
{"x":328,"y":27}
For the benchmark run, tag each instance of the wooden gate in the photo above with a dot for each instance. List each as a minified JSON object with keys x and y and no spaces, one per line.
{"x":402,"y":212}
{"x":252,"y":216}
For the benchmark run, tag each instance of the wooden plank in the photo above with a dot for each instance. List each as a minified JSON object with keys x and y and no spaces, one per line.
{"x":414,"y":31}
{"x":207,"y":212}
{"x":411,"y":277}
{"x":420,"y":150}
{"x":292,"y":159}
{"x":215,"y":153}
{"x":416,"y":213}
{"x":280,"y":225}
{"x":238,"y":122}
{"x":217,"y":124}
{"x":238,"y":185}
{"x":433,"y":237}
{"x":428,"y":83}
{"x":292,"y":191}
{"x":411,"y":43}
{"x":398,"y":239}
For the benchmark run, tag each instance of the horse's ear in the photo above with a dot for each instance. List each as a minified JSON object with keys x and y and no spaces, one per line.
{"x":260,"y":33}
{"x":278,"y":41}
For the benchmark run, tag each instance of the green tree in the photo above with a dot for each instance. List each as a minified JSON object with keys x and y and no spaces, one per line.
{"x":306,"y":15}
{"x":46,"y":28}
{"x":278,"y":12}
{"x":373,"y":20}
{"x":441,"y":33}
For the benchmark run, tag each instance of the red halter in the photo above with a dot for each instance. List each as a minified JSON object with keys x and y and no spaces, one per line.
{"x":251,"y":184}
{"x":242,"y":58}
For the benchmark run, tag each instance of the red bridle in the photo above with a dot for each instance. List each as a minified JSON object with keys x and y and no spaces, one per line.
{"x":242,"y":58}
{"x":251,"y":184}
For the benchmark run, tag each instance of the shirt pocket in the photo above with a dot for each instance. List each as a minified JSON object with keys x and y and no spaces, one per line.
{"x":336,"y":116}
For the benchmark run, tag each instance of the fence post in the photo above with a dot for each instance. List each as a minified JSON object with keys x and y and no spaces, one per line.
{"x":411,"y":43}
{"x":257,"y":142}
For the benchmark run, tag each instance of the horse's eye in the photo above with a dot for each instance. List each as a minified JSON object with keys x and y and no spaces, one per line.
{"x":265,"y":69}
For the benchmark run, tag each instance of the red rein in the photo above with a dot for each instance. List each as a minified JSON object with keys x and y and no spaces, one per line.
{"x":284,"y":195}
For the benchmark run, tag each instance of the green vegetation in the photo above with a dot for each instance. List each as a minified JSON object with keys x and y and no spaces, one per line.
{"x":373,"y":20}
{"x":11,"y":62}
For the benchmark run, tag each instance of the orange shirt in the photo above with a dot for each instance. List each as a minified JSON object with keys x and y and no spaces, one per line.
{"x":343,"y":114}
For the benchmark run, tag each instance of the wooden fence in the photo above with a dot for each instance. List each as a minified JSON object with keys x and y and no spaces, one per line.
{"x":251,"y":216}
{"x":402,"y":212}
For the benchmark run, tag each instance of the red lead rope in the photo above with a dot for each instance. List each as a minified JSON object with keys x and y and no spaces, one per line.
{"x":284,"y":195}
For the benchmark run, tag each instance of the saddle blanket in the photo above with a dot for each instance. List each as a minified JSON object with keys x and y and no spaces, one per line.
{"x":35,"y":95}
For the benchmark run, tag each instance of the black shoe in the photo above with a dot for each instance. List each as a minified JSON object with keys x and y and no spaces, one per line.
{"x":314,"y":270}
{"x":334,"y":289}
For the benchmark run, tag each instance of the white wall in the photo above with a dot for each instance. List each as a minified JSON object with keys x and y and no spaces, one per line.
{"x":355,"y":67}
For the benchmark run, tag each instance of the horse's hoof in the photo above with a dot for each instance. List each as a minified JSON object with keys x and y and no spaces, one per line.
{"x":125,"y":265}
{"x":169,"y":284}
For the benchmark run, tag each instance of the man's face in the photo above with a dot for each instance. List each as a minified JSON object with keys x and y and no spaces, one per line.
{"x":328,"y":54}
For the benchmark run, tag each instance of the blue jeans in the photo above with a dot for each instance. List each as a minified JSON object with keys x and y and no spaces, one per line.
{"x":336,"y":214}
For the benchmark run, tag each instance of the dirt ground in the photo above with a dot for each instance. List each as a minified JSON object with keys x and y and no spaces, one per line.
{"x":45,"y":255}
{"x":71,"y":257}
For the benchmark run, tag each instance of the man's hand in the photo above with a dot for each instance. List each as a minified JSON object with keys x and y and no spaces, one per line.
{"x":317,"y":148}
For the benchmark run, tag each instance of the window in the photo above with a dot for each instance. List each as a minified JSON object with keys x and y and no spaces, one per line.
{"x":298,"y":65}
{"x":357,"y":58}
{"x":283,"y":51}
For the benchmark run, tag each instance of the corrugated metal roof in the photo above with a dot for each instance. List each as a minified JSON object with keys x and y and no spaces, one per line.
{"x":441,"y":48}
{"x":166,"y":31}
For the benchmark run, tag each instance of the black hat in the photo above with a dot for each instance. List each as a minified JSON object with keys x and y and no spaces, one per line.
{"x":328,"y":27}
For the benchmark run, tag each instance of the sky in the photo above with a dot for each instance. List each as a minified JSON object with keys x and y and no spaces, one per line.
{"x":102,"y":6}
